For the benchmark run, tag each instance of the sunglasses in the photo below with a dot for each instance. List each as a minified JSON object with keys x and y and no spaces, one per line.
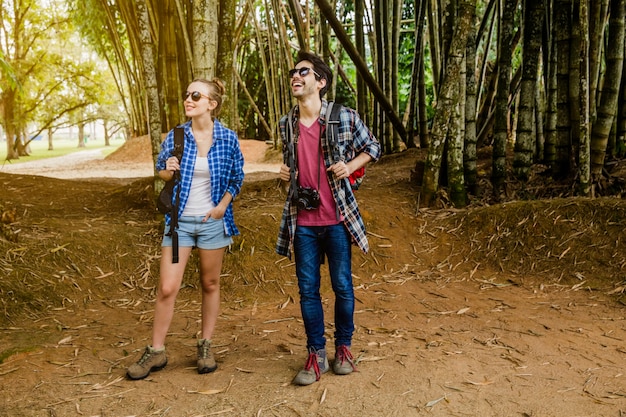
{"x":304,"y":71}
{"x":195,"y":96}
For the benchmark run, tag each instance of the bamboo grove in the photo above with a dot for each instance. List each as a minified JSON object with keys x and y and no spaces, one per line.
{"x":535,"y":83}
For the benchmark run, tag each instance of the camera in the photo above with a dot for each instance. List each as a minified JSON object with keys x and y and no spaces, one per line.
{"x":306,"y":198}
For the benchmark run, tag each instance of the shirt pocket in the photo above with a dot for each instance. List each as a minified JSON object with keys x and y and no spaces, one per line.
{"x":345,"y":143}
{"x":225,"y":166}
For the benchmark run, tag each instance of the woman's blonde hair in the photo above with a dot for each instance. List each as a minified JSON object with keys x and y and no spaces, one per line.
{"x":217,"y":91}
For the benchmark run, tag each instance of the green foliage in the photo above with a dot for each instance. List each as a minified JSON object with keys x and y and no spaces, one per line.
{"x":7,"y":72}
{"x":62,"y":81}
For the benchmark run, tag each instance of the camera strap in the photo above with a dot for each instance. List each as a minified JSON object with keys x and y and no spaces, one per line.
{"x":293,"y":155}
{"x":291,"y":149}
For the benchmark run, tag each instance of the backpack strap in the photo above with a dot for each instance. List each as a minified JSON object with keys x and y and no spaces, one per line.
{"x":179,"y":142}
{"x":179,"y":146}
{"x":333,"y":121}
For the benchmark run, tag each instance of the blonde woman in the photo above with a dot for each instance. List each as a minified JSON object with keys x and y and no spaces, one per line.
{"x":211,"y":175}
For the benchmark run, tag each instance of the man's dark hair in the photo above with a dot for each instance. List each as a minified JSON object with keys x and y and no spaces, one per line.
{"x":319,"y":66}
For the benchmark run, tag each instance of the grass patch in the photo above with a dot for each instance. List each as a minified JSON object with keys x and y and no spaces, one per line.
{"x":39,"y":149}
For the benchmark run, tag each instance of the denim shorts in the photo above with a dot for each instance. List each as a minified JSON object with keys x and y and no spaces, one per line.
{"x":193,"y":232}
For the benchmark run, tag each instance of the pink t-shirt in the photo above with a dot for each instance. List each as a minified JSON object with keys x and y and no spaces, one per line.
{"x":310,"y":160}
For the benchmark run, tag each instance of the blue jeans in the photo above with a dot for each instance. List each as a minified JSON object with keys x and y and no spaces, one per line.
{"x":310,"y":245}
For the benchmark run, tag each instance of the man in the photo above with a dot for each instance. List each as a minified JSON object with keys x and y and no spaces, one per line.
{"x":321,"y":216}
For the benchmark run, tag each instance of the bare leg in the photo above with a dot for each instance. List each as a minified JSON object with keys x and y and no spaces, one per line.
{"x":171,"y":276}
{"x":210,"y":269}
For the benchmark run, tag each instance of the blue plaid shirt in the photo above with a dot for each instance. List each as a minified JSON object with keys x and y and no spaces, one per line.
{"x":354,"y":138}
{"x":225,"y":165}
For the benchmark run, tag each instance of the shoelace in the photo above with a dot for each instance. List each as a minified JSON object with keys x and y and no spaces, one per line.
{"x":205,"y":350}
{"x":311,"y":362}
{"x":343,"y":354}
{"x":146,"y":355}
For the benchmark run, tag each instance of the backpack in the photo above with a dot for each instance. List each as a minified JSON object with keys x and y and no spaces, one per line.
{"x":164,"y":202}
{"x":332,"y":132}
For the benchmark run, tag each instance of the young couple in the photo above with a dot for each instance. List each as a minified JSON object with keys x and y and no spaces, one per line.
{"x":321,"y":219}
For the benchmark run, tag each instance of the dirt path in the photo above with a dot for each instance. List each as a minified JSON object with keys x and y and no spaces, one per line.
{"x":438,"y":347}
{"x":92,"y":163}
{"x":440,"y":331}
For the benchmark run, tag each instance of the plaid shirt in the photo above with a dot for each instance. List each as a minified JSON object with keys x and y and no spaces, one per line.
{"x":225,"y":166}
{"x":354,"y":138}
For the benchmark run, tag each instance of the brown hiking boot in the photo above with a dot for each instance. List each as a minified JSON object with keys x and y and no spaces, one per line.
{"x":206,"y":362}
{"x":151,"y":360}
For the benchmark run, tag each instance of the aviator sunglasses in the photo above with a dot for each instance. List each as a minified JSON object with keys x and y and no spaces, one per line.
{"x":304,"y":71}
{"x":195,"y":96}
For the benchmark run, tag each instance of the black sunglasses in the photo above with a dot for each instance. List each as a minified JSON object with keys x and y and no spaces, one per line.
{"x":195,"y":96}
{"x":304,"y":71}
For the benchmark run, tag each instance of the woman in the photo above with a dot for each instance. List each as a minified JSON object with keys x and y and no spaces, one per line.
{"x":211,"y":175}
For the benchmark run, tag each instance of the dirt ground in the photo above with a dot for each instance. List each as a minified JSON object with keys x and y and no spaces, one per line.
{"x":515,"y":309}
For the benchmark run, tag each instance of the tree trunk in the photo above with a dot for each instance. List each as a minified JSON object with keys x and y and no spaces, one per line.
{"x":447,"y":102}
{"x":413,"y":114}
{"x":205,"y":18}
{"x":300,"y":26}
{"x":107,"y":133}
{"x":484,"y":118}
{"x":225,"y":53}
{"x":361,"y":66}
{"x":150,"y":80}
{"x":549,"y":156}
{"x":456,"y":136}
{"x":540,"y":110}
{"x":525,"y":140}
{"x":379,"y":67}
{"x":469,"y":148}
{"x":574,"y":85}
{"x":563,"y":145}
{"x":621,"y":127}
{"x":434,"y":37}
{"x":486,"y":65}
{"x":50,"y":142}
{"x":610,"y":90}
{"x":81,"y":135}
{"x":424,"y":133}
{"x":396,"y":18}
{"x":359,"y":42}
{"x":169,"y":70}
{"x":597,"y":23}
{"x":8,"y":119}
{"x":505,"y":54}
{"x":584,"y":164}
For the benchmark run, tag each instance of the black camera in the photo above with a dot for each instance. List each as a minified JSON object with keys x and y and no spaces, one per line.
{"x":306,"y":198}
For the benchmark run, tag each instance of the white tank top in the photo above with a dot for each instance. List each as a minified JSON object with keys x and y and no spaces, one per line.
{"x":199,"y":201}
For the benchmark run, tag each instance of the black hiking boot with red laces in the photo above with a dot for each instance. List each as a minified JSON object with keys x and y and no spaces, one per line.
{"x":316,"y":365}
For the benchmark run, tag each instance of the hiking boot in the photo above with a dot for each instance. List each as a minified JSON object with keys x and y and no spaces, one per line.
{"x":206,"y":362}
{"x":344,"y":363}
{"x":315,"y":366}
{"x":151,"y":360}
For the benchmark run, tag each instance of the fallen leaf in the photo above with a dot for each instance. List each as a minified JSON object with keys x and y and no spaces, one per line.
{"x":485,"y":382}
{"x":434,"y":402}
{"x":210,"y":391}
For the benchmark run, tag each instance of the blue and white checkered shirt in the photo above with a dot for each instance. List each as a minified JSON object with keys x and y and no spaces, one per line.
{"x":225,"y":165}
{"x":354,"y":138}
